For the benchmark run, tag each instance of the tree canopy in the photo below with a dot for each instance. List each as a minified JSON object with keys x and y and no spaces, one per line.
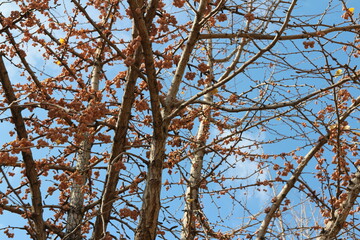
{"x":177,"y":119}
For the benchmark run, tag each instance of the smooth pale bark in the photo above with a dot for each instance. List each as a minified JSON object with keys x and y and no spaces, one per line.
{"x":226,"y":77}
{"x":192,"y":205}
{"x":30,"y":168}
{"x":185,"y":56}
{"x":76,"y":200}
{"x":192,"y":192}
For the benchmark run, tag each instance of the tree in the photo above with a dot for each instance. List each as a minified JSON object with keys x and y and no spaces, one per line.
{"x":205,"y":119}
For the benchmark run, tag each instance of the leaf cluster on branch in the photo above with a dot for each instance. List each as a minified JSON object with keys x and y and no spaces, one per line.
{"x":205,"y":119}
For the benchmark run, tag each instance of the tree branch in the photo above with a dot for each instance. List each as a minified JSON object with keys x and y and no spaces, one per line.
{"x":284,"y":37}
{"x":30,"y":166}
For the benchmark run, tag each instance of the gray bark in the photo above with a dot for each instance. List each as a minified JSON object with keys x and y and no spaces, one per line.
{"x":192,"y":192}
{"x":188,"y":230}
{"x":76,"y":201}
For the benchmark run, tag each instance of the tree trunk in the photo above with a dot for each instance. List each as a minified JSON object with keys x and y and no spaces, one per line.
{"x":30,"y":168}
{"x":76,"y":201}
{"x":188,"y":231}
{"x":118,"y":148}
{"x":192,"y":192}
{"x":149,"y":213}
{"x":151,"y":199}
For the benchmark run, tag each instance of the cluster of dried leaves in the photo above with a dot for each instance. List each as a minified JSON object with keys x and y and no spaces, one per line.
{"x":205,"y":119}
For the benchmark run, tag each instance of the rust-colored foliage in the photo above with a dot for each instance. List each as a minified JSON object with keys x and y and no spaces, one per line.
{"x":205,"y":119}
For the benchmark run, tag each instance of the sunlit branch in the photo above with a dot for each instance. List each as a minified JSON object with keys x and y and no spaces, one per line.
{"x":257,"y":36}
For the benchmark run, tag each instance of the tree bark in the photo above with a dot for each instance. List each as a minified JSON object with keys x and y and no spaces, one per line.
{"x":149,"y":213}
{"x":188,"y":231}
{"x":76,"y":201}
{"x":118,"y":147}
{"x":30,"y":167}
{"x":151,"y":199}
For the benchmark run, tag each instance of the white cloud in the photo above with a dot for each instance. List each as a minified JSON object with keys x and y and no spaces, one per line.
{"x":245,"y":168}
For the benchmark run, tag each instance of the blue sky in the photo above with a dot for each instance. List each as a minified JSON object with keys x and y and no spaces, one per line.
{"x":255,"y":200}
